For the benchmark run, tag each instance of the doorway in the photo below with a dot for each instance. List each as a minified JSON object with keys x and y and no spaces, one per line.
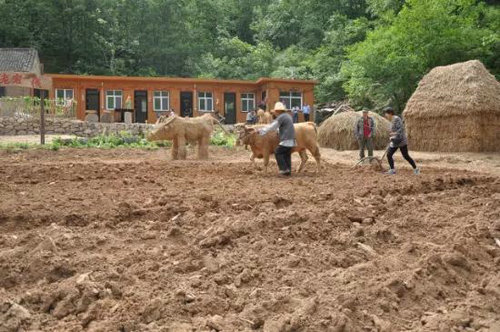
{"x":2,"y":91}
{"x":230,"y":107}
{"x":186,"y":104}
{"x":92,"y":101}
{"x":38,"y":93}
{"x":141,"y":106}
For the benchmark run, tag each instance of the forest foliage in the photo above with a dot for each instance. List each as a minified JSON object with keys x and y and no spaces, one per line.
{"x":372,"y":52}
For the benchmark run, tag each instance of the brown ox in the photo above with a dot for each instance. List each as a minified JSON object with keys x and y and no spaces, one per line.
{"x":264,"y":117}
{"x":263,"y":146}
{"x":182,"y":130}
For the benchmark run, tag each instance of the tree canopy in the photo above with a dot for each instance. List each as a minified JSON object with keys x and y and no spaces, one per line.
{"x":372,"y":52}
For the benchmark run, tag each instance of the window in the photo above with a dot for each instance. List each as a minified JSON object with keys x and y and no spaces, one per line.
{"x":161,"y":101}
{"x":113,"y":99}
{"x":63,"y":95}
{"x":247,"y":102}
{"x":291,"y":99}
{"x":205,"y":101}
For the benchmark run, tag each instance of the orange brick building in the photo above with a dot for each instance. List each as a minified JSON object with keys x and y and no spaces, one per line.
{"x":152,"y":96}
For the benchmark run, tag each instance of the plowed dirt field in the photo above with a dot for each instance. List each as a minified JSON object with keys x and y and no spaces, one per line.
{"x":127,"y":240}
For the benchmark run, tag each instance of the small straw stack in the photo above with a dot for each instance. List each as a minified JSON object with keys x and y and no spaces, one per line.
{"x":337,"y":131}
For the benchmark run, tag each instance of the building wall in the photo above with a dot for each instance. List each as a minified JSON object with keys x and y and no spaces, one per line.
{"x":17,"y":91}
{"x":80,"y":84}
{"x":31,"y":126}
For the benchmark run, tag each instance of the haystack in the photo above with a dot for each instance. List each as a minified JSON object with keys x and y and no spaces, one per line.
{"x":337,"y":131}
{"x":455,"y":109}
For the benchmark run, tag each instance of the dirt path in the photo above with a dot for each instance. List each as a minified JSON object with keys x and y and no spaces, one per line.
{"x":126,"y":240}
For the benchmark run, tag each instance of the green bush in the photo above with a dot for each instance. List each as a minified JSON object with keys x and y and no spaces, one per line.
{"x":219,"y":138}
{"x":123,"y":139}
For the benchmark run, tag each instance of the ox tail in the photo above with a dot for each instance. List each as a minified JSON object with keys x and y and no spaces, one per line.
{"x":314,"y":126}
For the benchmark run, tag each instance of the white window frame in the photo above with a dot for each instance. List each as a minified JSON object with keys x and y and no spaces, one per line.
{"x":64,"y":100}
{"x":115,"y":95}
{"x":246,"y":100}
{"x":164,"y":98}
{"x":205,"y":96}
{"x":287,"y":97}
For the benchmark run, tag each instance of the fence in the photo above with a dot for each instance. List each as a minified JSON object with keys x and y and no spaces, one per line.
{"x":29,"y":108}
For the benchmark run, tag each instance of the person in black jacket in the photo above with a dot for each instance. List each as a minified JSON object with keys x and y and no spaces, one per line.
{"x":398,"y":141}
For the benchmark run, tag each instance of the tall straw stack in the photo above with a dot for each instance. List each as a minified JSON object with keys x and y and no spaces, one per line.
{"x":455,"y":108}
{"x":337,"y":131}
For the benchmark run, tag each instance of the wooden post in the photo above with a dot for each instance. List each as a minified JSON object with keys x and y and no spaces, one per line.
{"x":42,"y":117}
{"x":42,"y":109}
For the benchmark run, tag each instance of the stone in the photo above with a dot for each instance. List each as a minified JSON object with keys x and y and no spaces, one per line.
{"x":92,"y":118}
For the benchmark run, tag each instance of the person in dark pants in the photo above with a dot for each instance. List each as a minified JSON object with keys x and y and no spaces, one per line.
{"x":284,"y":124}
{"x":306,"y":110}
{"x":364,"y":132}
{"x":398,"y":141}
{"x":295,"y":112}
{"x":251,"y":117}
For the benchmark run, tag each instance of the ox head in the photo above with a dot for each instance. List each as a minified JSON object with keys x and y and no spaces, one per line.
{"x":163,"y":130}
{"x":244,"y":134}
{"x":161,"y":119}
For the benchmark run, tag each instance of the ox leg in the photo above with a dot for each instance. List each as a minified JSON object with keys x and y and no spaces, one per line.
{"x":182,"y":148}
{"x":252,"y":159}
{"x":203,"y":148}
{"x":303,"y":160}
{"x":175,"y":149}
{"x":317,"y":156}
{"x":266,"y":162}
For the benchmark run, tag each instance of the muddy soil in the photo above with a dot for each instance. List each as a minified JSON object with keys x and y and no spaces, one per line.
{"x":126,"y":240}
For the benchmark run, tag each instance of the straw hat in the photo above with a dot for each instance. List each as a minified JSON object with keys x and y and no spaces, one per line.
{"x":279,"y":107}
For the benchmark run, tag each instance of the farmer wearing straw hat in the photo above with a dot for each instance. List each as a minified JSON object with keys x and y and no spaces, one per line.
{"x":364,"y":132}
{"x":284,"y":124}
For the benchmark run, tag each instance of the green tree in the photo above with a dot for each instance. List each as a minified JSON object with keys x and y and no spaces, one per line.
{"x":371,"y":51}
{"x":386,"y":67}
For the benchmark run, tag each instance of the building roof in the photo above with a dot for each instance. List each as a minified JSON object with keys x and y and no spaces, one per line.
{"x":263,"y":80}
{"x":18,"y":59}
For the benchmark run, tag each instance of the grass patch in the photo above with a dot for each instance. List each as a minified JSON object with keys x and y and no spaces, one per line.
{"x":14,"y":147}
{"x":113,"y":141}
{"x":220,"y":138}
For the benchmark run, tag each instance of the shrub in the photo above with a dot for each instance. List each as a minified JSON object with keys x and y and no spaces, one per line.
{"x":219,"y":138}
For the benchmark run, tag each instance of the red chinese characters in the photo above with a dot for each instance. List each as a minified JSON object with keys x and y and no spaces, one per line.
{"x":17,"y":79}
{"x":4,"y":79}
{"x":35,"y":82}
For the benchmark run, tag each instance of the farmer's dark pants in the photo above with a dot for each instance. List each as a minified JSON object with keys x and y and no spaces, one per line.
{"x":404,"y":152}
{"x":306,"y":117}
{"x":283,"y":156}
{"x":365,"y":142}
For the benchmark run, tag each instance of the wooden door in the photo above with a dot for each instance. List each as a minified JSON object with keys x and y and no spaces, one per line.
{"x":141,"y":106}
{"x":186,"y":104}
{"x":230,"y":107}
{"x":92,"y":100}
